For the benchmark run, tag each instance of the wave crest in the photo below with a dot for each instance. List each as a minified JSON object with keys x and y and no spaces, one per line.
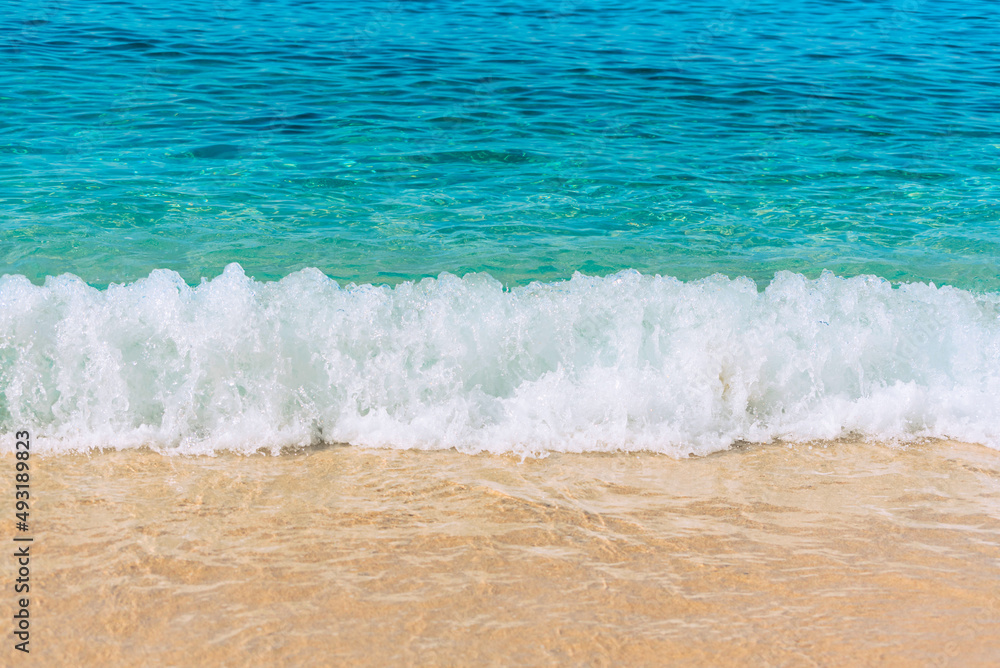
{"x":623,"y":362}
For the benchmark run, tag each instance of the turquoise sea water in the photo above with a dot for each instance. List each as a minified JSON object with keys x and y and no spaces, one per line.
{"x":385,"y":142}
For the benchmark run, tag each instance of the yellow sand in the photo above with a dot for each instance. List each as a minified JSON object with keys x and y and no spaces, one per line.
{"x":836,"y":554}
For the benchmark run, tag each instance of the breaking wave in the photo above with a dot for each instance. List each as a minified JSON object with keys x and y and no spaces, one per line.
{"x":623,"y":362}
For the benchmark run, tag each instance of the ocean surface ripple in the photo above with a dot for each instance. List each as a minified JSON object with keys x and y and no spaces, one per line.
{"x":381,"y":141}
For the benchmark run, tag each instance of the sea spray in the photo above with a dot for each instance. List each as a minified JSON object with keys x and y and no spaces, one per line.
{"x":622,"y":362}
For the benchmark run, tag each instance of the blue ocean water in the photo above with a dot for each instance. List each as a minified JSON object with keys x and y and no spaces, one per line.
{"x":740,"y":148}
{"x":384,"y":141}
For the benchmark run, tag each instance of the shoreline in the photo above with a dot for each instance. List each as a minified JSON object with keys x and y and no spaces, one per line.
{"x":847,"y":552}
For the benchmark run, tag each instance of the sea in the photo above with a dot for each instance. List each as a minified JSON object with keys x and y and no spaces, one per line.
{"x":509,"y":332}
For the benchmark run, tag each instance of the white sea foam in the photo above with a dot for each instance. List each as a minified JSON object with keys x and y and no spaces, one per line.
{"x":624,"y":362}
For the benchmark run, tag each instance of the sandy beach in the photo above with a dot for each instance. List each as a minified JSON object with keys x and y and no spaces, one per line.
{"x":839,"y":553}
{"x":382,"y":333}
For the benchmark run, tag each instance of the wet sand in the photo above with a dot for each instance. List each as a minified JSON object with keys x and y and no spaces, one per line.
{"x":836,"y":554}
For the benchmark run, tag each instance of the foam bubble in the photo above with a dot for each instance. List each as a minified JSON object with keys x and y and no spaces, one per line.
{"x":623,"y":362}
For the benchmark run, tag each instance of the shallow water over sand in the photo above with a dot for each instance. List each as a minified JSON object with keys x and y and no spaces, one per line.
{"x":836,"y":554}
